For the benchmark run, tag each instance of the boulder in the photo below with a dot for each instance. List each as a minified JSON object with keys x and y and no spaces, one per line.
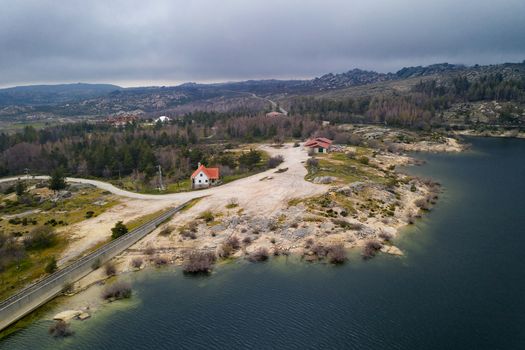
{"x":67,"y":315}
{"x":323,"y":180}
{"x":393,"y":250}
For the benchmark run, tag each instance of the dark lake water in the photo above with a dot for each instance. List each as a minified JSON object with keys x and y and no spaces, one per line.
{"x":461,"y":284}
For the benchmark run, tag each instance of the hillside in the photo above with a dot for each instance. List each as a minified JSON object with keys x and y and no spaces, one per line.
{"x":411,"y":96}
{"x":51,"y":94}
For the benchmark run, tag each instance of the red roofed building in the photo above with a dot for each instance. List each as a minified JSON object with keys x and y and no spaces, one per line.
{"x":319,"y":144}
{"x":204,"y":177}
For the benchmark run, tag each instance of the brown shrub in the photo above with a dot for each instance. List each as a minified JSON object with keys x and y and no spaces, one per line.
{"x":166,"y":231}
{"x":60,"y":329}
{"x":160,"y":261}
{"x":371,"y":248}
{"x":275,"y":161}
{"x":260,"y":254}
{"x":336,"y":254}
{"x":422,"y":204}
{"x":118,"y":290}
{"x":136,"y":263}
{"x":386,"y":236}
{"x":199,"y":262}
{"x":319,"y":250}
{"x":309,"y":242}
{"x":188,"y":234}
{"x":110,"y":269}
{"x":149,"y":250}
{"x":229,"y":247}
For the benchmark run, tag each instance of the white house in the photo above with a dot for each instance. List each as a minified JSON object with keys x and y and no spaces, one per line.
{"x":204,"y":177}
{"x":162,"y":119}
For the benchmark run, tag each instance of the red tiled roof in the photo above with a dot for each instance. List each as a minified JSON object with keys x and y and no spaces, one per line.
{"x":211,"y":173}
{"x":318,"y":142}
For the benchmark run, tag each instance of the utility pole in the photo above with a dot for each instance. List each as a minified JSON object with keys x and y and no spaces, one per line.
{"x":26,"y":172}
{"x":161,"y":185}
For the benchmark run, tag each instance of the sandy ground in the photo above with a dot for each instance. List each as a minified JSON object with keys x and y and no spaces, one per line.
{"x":86,"y":234}
{"x":262,"y":200}
{"x":450,"y":145}
{"x":263,"y":194}
{"x":508,"y":133}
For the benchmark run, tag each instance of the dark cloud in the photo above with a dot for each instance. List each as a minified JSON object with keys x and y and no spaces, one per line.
{"x":159,"y":42}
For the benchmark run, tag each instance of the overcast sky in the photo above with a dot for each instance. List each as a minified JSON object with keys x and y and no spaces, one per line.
{"x":150,"y":42}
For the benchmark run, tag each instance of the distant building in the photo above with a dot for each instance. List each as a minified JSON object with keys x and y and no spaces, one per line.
{"x":162,"y":119}
{"x":274,"y":114}
{"x":204,"y":177}
{"x":319,"y":144}
{"x":122,"y":120}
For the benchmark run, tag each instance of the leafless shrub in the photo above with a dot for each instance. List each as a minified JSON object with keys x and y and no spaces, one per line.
{"x":188,"y":234}
{"x":309,"y":242}
{"x":422,"y":204}
{"x":149,"y":250}
{"x":136,"y":263}
{"x":273,"y":225}
{"x":311,"y":152}
{"x":67,"y":288}
{"x":232,"y":203}
{"x":386,"y":236}
{"x":312,"y":162}
{"x":233,"y":241}
{"x":166,"y":231}
{"x":199,"y":262}
{"x":247,"y":240}
{"x":275,"y":161}
{"x":371,"y":248}
{"x":260,"y":254}
{"x":110,"y":269}
{"x":118,"y":290}
{"x":160,"y":261}
{"x":228,"y":247}
{"x":336,"y":254}
{"x":319,"y":250}
{"x":60,"y":329}
{"x":193,"y":226}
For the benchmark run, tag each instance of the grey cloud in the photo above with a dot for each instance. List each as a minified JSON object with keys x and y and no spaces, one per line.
{"x":204,"y":40}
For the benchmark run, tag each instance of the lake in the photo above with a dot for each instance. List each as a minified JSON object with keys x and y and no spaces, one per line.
{"x":460,"y":285}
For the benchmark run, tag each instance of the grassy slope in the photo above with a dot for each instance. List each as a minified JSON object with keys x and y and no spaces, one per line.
{"x":70,"y":211}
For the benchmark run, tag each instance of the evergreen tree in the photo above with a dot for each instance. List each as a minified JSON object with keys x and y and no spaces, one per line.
{"x":119,"y":230}
{"x":58,"y":180}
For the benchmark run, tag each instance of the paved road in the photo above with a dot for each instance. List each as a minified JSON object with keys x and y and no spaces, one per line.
{"x":30,"y":298}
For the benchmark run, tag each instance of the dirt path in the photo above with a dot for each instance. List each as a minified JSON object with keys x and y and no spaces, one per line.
{"x":262,"y":194}
{"x":282,"y":185}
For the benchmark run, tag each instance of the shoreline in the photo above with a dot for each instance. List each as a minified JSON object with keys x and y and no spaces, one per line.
{"x":242,"y":217}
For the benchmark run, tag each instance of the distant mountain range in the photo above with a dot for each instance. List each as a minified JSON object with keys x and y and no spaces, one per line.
{"x":251,"y":95}
{"x":50,"y":94}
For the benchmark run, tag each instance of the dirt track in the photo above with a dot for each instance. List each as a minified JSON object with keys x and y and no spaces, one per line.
{"x":263,"y":194}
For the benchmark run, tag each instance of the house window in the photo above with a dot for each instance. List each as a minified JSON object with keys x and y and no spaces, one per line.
{"x":206,"y":181}
{"x":200,"y":174}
